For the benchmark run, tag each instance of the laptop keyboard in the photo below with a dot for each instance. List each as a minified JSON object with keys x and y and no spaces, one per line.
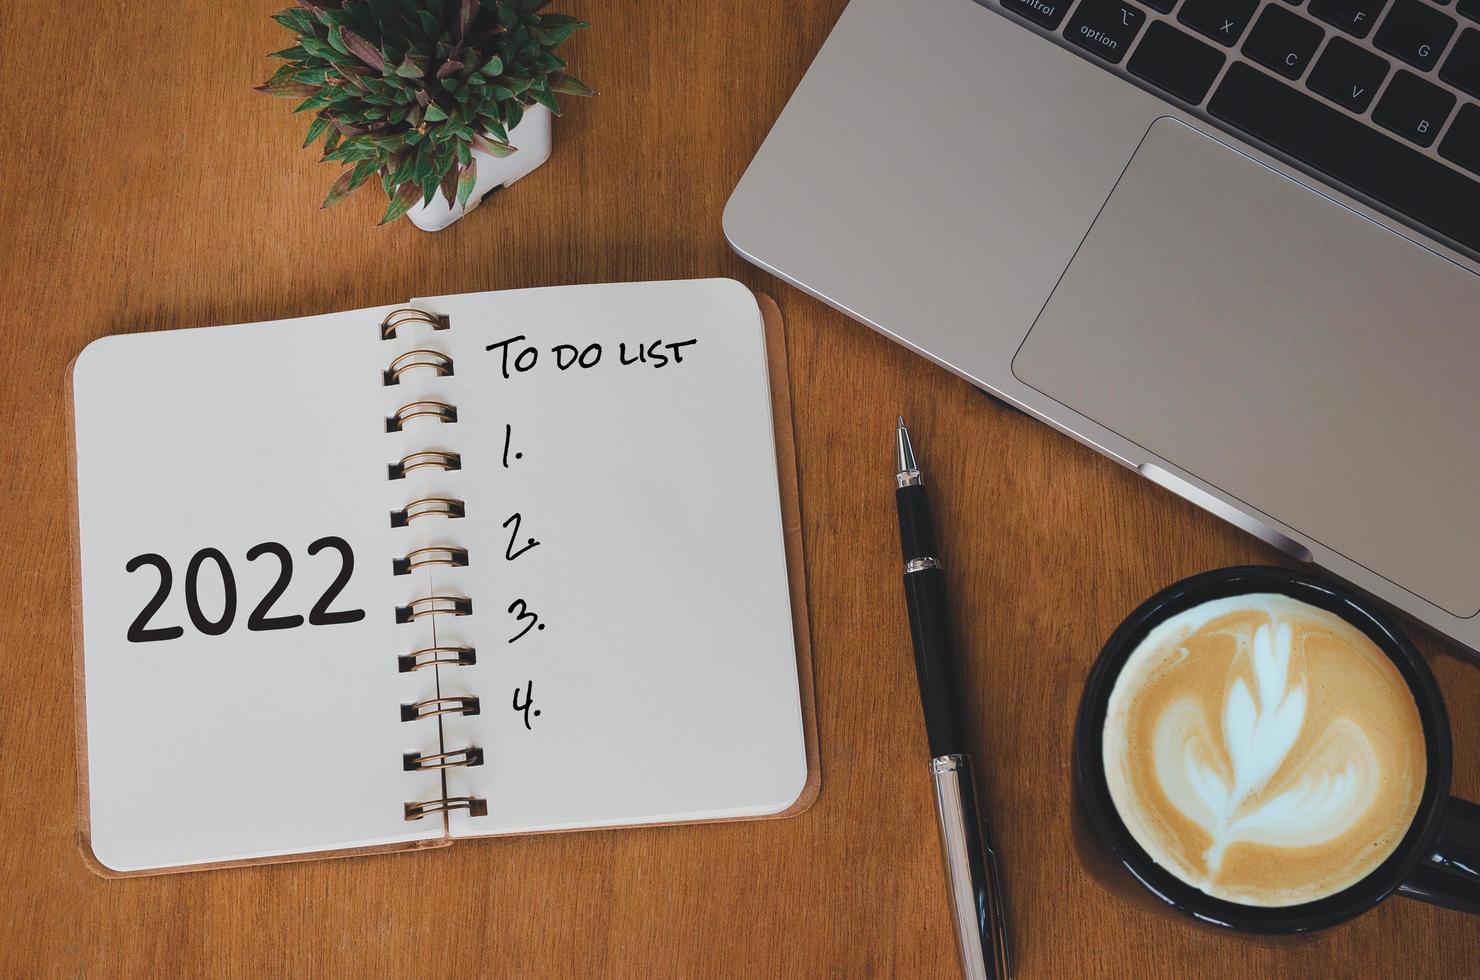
{"x":1377,"y":95}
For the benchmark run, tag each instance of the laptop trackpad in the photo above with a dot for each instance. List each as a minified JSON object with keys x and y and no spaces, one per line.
{"x":1281,"y":348}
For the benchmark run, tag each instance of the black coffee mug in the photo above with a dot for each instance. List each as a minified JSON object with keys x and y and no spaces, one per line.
{"x":1438,"y":859}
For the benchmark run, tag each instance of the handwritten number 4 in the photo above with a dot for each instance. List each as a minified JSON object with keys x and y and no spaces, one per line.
{"x":527,"y":705}
{"x":511,"y":553}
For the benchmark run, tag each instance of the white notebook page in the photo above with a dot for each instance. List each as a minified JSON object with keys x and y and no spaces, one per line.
{"x":245,"y":744}
{"x":664,"y":679}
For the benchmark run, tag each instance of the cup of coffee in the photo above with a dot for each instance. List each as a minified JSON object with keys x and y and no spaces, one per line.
{"x":1263,"y":750}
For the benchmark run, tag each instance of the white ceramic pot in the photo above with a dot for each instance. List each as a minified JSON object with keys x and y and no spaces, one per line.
{"x":531,"y":136}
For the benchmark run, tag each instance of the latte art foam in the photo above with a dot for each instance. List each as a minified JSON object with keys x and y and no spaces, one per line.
{"x":1263,"y":750}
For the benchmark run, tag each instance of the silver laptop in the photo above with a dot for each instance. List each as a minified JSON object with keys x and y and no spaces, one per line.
{"x":1229,"y":243}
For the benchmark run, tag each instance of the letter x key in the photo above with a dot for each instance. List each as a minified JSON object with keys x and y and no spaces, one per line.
{"x":1222,"y":20}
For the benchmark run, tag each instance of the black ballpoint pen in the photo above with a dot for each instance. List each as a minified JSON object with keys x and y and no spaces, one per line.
{"x":970,"y":863}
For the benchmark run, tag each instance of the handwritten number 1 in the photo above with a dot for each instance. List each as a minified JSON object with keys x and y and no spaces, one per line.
{"x":510,"y":553}
{"x":508,"y":438}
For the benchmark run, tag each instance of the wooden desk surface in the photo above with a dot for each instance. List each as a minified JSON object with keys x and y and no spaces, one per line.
{"x":147,"y":187}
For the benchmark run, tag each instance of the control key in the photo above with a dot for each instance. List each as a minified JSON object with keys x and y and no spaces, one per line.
{"x":1046,"y":12}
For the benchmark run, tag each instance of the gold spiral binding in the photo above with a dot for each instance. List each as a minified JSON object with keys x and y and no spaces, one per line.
{"x":416,"y":762}
{"x":437,"y":554}
{"x":440,"y":363}
{"x":434,"y":605}
{"x":421,"y":408}
{"x":436,"y":656}
{"x":440,"y":458}
{"x":410,"y":314}
{"x":431,"y":707}
{"x":475,"y":806}
{"x":449,"y":507}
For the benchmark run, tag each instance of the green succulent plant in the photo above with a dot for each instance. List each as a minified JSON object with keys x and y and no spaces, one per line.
{"x":407,"y":89}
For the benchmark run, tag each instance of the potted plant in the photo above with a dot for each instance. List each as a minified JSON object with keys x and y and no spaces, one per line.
{"x":442,"y":100}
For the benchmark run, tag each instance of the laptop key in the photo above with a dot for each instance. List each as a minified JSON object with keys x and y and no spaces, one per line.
{"x":1221,"y":20}
{"x":1348,"y":74}
{"x":1175,"y":62}
{"x":1283,"y":41}
{"x":1350,"y":152}
{"x":1469,"y":8}
{"x":1415,"y":32}
{"x":1046,"y":12}
{"x":1161,"y":6}
{"x":1462,"y":142}
{"x":1356,"y":17}
{"x":1413,"y":108}
{"x":1105,"y":27}
{"x":1462,"y":67}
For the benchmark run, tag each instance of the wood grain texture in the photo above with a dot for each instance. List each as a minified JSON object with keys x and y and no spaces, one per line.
{"x":146,"y":187}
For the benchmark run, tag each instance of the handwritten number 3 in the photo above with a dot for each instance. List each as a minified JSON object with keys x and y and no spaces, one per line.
{"x":521,"y":615}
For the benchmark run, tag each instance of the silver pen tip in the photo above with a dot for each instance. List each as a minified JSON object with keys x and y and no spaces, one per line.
{"x":905,"y":452}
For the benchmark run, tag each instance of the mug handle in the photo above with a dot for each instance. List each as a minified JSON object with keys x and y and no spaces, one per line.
{"x":1450,"y":876}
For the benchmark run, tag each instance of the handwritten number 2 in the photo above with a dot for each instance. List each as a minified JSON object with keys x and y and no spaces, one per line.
{"x":511,"y":553}
{"x":138,"y":630}
{"x":320,"y":615}
{"x":259,"y":620}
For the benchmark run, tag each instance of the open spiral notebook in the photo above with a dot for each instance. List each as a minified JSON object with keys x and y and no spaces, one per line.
{"x":493,"y":563}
